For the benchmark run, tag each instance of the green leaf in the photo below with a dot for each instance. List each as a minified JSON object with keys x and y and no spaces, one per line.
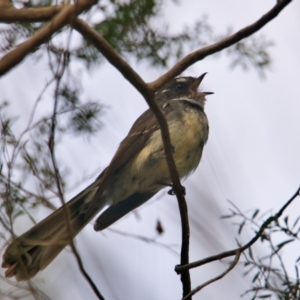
{"x":286,"y":220}
{"x":264,"y":237}
{"x":279,"y":246}
{"x":296,"y":221}
{"x":227,"y":216}
{"x":255,"y":277}
{"x":241,"y":227}
{"x":255,"y":214}
{"x":265,"y":296}
{"x":250,"y":253}
{"x":85,"y":119}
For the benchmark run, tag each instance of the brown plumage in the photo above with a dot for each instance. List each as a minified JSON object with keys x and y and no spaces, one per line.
{"x":137,"y":171}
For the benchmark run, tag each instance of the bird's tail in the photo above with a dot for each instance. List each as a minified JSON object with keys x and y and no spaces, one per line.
{"x":36,"y":248}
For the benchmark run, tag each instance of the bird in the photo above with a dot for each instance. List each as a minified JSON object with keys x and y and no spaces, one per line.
{"x":137,"y":171}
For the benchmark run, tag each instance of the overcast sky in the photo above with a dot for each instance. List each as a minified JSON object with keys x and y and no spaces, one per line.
{"x":251,"y":159}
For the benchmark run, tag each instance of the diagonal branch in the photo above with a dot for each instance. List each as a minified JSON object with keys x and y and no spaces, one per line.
{"x":112,"y":56}
{"x":225,"y":254}
{"x":15,"y":56}
{"x":221,"y":45}
{"x":200,"y":287}
{"x":10,"y":14}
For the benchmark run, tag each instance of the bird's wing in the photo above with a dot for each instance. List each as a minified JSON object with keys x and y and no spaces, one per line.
{"x":129,"y":148}
{"x":120,"y":209}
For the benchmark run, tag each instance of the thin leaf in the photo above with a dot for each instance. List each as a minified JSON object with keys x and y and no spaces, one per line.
{"x":255,"y":277}
{"x":241,"y":227}
{"x":286,"y":220}
{"x":255,"y":214}
{"x":227,"y":216}
{"x":295,"y":223}
{"x":265,"y":296}
{"x":279,"y":246}
{"x":250,"y":253}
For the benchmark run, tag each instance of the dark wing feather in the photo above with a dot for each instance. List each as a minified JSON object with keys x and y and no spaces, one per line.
{"x":120,"y":209}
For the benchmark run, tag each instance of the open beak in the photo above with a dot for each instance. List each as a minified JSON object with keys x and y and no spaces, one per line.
{"x":197,"y":83}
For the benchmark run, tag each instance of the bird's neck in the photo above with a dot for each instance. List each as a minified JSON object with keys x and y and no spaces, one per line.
{"x":198,"y":102}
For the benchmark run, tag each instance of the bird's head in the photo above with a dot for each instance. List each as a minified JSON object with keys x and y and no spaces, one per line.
{"x":183,"y":88}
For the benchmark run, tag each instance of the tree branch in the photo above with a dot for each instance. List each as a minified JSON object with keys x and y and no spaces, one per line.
{"x":200,"y":287}
{"x":218,"y":46}
{"x":125,"y":69}
{"x":10,"y":14}
{"x":225,"y":254}
{"x":112,"y":56}
{"x":68,"y":12}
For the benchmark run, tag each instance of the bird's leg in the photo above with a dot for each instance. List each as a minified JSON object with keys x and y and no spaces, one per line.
{"x":173,"y":150}
{"x":171,"y":191}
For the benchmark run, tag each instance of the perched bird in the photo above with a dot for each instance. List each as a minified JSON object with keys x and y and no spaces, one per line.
{"x":137,"y":172}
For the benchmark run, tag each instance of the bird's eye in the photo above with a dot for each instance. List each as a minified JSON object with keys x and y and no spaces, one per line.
{"x":179,"y":86}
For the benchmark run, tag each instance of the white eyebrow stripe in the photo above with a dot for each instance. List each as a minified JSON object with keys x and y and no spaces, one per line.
{"x":181,"y":98}
{"x":181,"y":79}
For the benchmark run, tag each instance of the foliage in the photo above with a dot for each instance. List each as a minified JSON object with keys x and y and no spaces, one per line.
{"x":131,"y":27}
{"x":270,"y":275}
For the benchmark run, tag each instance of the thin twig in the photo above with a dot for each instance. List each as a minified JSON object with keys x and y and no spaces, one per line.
{"x":219,"y":46}
{"x":285,"y":278}
{"x":9,"y":14}
{"x":225,"y":254}
{"x":67,"y":13}
{"x":200,"y":287}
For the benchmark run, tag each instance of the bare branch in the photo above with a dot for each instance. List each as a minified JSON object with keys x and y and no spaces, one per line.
{"x":9,"y":14}
{"x":5,"y":3}
{"x":218,"y":46}
{"x":15,"y":56}
{"x":200,"y":287}
{"x":222,"y":255}
{"x":112,"y":56}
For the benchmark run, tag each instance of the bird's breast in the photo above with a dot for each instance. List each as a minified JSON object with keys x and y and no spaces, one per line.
{"x":188,"y":132}
{"x":188,"y":138}
{"x":148,"y":171}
